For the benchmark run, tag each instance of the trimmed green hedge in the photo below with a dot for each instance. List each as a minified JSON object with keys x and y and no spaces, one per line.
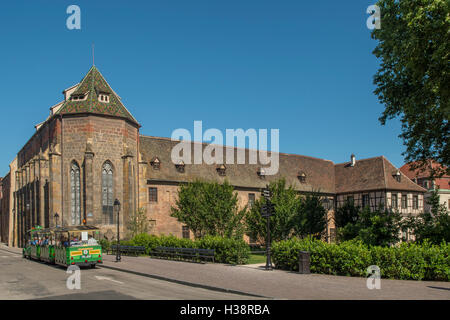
{"x":407,"y":261}
{"x":226,"y":250}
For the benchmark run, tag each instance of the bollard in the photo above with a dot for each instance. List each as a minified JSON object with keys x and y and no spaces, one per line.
{"x":303,"y":262}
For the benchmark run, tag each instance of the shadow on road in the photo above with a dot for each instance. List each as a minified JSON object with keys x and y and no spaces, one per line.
{"x":100,"y":295}
{"x":441,"y":288}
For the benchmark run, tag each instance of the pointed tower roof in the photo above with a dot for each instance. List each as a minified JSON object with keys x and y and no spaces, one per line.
{"x":89,"y":89}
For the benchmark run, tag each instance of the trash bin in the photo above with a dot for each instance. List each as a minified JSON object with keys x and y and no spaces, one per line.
{"x":303,"y":262}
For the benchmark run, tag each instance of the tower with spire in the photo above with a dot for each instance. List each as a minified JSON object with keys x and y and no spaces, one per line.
{"x":88,"y":157}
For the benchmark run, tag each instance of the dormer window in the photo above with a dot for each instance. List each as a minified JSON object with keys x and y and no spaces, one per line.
{"x":397,"y":176}
{"x":301,"y":176}
{"x":180,"y":166}
{"x":155,"y":163}
{"x":261,"y":172}
{"x":102,"y":97}
{"x":77,"y":97}
{"x":221,"y":170}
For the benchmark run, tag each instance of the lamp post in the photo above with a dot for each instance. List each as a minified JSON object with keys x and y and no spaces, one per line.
{"x":266,"y":212}
{"x":117,"y":208}
{"x":56,"y":216}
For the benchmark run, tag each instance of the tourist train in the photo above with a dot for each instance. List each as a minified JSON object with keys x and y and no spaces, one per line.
{"x":64,"y":246}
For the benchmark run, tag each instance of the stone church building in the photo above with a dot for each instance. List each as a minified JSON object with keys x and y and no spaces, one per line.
{"x":89,"y":152}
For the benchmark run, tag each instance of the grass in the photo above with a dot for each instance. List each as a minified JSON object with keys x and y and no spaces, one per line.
{"x":257,"y":258}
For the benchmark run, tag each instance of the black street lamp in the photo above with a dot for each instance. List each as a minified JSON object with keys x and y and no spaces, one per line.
{"x":117,"y":208}
{"x":268,"y":260}
{"x":266,"y":212}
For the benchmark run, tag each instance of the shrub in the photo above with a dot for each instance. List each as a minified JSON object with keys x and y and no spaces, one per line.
{"x":351,"y":258}
{"x":105,"y":244}
{"x":226,"y":250}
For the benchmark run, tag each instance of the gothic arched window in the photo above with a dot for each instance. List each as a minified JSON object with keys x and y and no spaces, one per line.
{"x":107,"y":193}
{"x":75,"y":191}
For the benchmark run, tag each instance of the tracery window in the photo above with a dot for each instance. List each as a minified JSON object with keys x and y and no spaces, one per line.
{"x":75,"y":191}
{"x":108,"y":193}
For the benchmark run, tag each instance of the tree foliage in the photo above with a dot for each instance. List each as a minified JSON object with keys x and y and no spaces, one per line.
{"x":379,"y":227}
{"x":138,"y":223}
{"x":311,"y":218}
{"x":433,"y":225}
{"x":286,"y":205}
{"x":209,"y":208}
{"x":294,"y":215}
{"x":413,"y":78}
{"x":345,"y":218}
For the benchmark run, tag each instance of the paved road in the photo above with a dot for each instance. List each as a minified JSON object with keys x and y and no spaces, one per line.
{"x":25,"y":279}
{"x":145,"y":278}
{"x":279,"y":284}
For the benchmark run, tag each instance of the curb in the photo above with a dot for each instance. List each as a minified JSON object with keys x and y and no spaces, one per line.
{"x":5,"y":248}
{"x":186,"y":283}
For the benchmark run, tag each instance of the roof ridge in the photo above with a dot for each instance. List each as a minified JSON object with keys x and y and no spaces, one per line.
{"x":234,"y":147}
{"x":365,"y":159}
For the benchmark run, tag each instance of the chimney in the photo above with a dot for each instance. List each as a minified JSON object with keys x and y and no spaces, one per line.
{"x":352,"y":160}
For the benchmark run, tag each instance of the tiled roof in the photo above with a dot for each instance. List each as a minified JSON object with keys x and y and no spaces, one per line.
{"x":418,"y":173}
{"x":93,"y":84}
{"x":371,"y":174}
{"x":321,"y":175}
{"x":319,"y":172}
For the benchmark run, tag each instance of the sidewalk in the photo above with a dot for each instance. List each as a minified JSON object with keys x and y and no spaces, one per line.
{"x":10,"y":249}
{"x":277,"y":284}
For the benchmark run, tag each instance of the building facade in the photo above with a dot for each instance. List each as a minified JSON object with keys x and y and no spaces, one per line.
{"x":422,"y":178}
{"x":89,"y":152}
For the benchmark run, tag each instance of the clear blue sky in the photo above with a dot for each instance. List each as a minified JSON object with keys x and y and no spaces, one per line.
{"x":303,"y":67}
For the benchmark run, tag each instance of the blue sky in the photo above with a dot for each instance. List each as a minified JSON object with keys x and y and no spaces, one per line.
{"x":303,"y":67}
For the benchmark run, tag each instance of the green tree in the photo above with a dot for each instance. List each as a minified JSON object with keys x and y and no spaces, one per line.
{"x":209,"y":208}
{"x":138,"y":223}
{"x":345,"y":218}
{"x":286,"y":206}
{"x":412,"y":81}
{"x":311,"y":218}
{"x":433,"y":225}
{"x":380,"y":227}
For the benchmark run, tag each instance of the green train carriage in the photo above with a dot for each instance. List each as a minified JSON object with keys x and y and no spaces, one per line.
{"x":47,"y":247}
{"x":32,"y":248}
{"x":75,"y":245}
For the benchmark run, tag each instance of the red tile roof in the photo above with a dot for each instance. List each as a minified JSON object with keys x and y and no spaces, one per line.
{"x":321,"y":175}
{"x":419,"y":173}
{"x":371,"y":174}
